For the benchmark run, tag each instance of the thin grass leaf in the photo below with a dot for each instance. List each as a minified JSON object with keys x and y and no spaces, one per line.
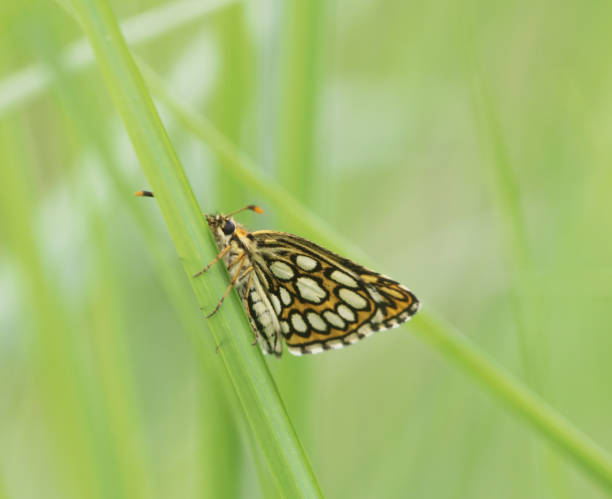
{"x":508,"y":198}
{"x":20,"y":87}
{"x":245,"y":365}
{"x":300,"y":43}
{"x":58,"y":376}
{"x":531,"y":341}
{"x":231,"y":96}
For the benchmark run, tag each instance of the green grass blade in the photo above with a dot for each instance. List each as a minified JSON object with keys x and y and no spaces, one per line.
{"x":523,"y":285}
{"x":454,"y":346}
{"x":114,"y":374}
{"x":245,"y":365}
{"x":300,"y":42}
{"x":20,"y":87}
{"x":231,"y":96}
{"x":62,"y":391}
{"x":508,"y":199}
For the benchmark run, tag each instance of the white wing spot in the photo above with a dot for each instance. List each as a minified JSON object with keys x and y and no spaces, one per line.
{"x":262,"y":313}
{"x":346,"y":313}
{"x":314,"y":348}
{"x":259,"y":308}
{"x":352,"y":298}
{"x":297,"y":321}
{"x":281,"y":270}
{"x":376,"y":296}
{"x":310,"y":290}
{"x":316,"y":321}
{"x":378,"y":317}
{"x":276,"y":304}
{"x":305,"y":262}
{"x":284,"y":326}
{"x":334,"y":319}
{"x":366,"y":330}
{"x":335,"y":344}
{"x":284,"y":295}
{"x":342,"y":278}
{"x":351,"y":338}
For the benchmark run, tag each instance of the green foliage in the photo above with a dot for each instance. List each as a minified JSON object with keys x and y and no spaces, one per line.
{"x":461,"y":146}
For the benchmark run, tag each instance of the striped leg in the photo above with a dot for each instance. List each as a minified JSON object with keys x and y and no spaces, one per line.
{"x":231,"y":285}
{"x":215,"y":260}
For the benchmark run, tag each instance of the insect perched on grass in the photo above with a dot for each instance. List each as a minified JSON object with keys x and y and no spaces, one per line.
{"x":294,"y":289}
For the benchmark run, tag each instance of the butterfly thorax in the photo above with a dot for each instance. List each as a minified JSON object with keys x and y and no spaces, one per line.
{"x":245,"y":266}
{"x":240,"y":246}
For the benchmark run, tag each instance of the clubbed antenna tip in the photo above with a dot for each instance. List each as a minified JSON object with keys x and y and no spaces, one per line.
{"x":146,"y":194}
{"x":251,"y":207}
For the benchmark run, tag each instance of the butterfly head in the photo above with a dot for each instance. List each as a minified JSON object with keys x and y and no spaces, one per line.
{"x":224,"y":227}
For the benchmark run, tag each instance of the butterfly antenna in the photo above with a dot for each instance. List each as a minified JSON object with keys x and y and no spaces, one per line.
{"x":251,"y":207}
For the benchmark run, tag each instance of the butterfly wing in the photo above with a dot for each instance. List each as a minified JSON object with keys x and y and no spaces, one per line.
{"x":262,"y":312}
{"x":321,"y":300}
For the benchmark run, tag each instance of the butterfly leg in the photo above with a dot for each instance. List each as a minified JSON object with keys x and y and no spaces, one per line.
{"x":216,"y":259}
{"x":229,"y":288}
{"x":235,"y":261}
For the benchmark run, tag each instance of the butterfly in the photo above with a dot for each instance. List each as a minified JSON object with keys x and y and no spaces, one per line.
{"x":294,"y":290}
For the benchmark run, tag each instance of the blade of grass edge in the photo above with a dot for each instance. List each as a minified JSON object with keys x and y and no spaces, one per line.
{"x":58,"y":381}
{"x":22,"y":86}
{"x":251,"y":379}
{"x":531,"y":339}
{"x":300,"y":40}
{"x":450,"y":343}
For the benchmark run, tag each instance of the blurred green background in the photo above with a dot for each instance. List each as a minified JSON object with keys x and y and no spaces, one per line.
{"x":464,"y":146}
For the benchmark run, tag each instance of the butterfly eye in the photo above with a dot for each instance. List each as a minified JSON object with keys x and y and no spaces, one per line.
{"x":228,"y":228}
